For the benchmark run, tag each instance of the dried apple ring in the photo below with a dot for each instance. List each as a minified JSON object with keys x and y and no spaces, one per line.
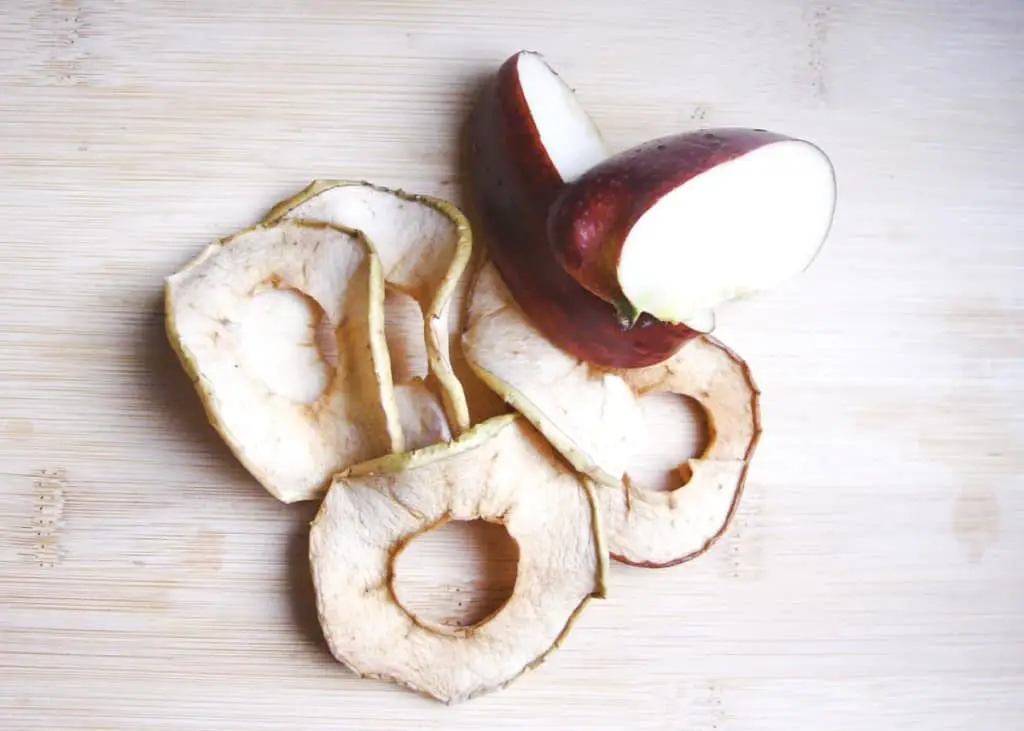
{"x":424,"y":244}
{"x":501,"y":471}
{"x":588,"y":414}
{"x":243,"y":318}
{"x":664,"y":528}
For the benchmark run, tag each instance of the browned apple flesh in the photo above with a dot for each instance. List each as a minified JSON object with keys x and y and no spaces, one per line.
{"x":677,"y":226}
{"x":528,"y":137}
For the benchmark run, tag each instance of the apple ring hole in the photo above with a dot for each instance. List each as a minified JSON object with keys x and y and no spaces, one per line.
{"x":675,"y":429}
{"x":287,"y":341}
{"x":457,"y":574}
{"x":404,"y":334}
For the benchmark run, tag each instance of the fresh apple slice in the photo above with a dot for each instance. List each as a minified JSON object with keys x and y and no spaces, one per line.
{"x":529,"y":136}
{"x":501,"y":471}
{"x":679,"y":225}
{"x":589,"y":413}
{"x":424,"y":244}
{"x":243,"y":318}
{"x":564,"y":140}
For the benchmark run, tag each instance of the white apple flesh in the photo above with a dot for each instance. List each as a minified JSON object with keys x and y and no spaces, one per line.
{"x":678,"y":226}
{"x":530,"y":138}
{"x":568,"y":134}
{"x":571,"y":139}
{"x":741,"y":227}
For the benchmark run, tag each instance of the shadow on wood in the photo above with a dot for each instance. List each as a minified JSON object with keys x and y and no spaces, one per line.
{"x":174,"y":396}
{"x":457,"y":574}
{"x":301,"y":595}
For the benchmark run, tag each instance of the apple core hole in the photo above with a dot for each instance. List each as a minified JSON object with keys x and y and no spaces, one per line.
{"x":286,"y":341}
{"x":456,"y":575}
{"x":675,"y":429}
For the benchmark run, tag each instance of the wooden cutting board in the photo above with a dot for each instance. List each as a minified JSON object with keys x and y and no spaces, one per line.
{"x":874,"y":575}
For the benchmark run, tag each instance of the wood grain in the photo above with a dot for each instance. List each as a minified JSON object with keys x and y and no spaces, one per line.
{"x":873,"y":577}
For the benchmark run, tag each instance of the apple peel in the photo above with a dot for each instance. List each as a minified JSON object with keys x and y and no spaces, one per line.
{"x":679,"y":225}
{"x":425,"y":245}
{"x":242,"y":318}
{"x":528,"y":138}
{"x":500,"y":470}
{"x":588,"y":414}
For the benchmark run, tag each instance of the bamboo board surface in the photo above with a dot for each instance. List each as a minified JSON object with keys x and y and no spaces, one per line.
{"x":874,"y":574}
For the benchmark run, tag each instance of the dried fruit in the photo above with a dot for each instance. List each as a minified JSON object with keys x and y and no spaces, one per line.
{"x":243,"y":317}
{"x":500,"y":470}
{"x":588,"y":413}
{"x":424,"y":244}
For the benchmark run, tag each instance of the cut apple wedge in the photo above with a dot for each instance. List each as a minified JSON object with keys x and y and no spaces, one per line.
{"x":528,"y":137}
{"x":549,"y":113}
{"x":243,"y":317}
{"x":424,"y":244}
{"x":679,"y":225}
{"x":501,"y":471}
{"x":589,"y":414}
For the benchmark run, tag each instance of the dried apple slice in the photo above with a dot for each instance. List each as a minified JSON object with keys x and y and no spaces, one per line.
{"x":422,"y":418}
{"x":419,"y":408}
{"x":657,"y":529}
{"x":243,"y":319}
{"x":424,"y":244}
{"x":484,"y":403}
{"x":588,"y":414}
{"x":501,"y":471}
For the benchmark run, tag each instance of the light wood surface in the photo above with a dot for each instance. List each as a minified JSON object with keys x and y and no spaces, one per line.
{"x":874,"y":575}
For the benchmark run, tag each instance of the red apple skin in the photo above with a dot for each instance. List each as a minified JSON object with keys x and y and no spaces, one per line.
{"x":592,"y":217}
{"x":513,"y":185}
